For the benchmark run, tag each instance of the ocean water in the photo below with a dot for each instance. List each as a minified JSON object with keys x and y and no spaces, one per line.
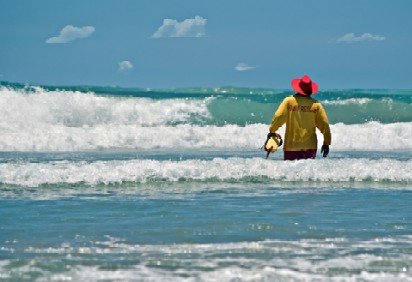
{"x":118,"y":184}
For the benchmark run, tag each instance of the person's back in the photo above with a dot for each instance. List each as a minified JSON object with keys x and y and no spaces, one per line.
{"x":302,"y":115}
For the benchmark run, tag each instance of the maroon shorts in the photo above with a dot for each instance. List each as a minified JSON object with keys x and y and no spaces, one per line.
{"x":299,"y":155}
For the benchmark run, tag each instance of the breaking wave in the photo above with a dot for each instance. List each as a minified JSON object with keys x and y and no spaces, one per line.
{"x":217,"y":169}
{"x":386,"y":137}
{"x":60,"y":120}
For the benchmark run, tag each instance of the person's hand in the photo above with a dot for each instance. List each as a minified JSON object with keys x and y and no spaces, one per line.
{"x":325,"y":150}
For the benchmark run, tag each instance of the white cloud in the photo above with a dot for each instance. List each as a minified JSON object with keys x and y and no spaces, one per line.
{"x":188,"y":28}
{"x":125,"y":65}
{"x":70,"y":33}
{"x":350,"y":37}
{"x":243,"y":67}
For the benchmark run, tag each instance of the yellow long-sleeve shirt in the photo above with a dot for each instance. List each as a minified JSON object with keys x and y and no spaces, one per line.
{"x":302,"y":116}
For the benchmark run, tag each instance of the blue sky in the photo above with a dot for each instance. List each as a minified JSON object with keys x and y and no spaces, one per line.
{"x":261,"y":43}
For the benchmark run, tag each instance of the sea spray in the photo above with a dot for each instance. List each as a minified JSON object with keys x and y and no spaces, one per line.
{"x":65,"y":120}
{"x":218,"y":169}
{"x":110,"y":183}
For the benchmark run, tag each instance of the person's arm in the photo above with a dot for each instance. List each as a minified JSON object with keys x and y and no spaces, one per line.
{"x":279,"y":117}
{"x":322,"y":124}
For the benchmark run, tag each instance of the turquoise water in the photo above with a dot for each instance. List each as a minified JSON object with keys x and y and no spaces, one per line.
{"x":113,"y":184}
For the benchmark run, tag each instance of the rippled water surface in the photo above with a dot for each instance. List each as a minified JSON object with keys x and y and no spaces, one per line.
{"x":106,"y":184}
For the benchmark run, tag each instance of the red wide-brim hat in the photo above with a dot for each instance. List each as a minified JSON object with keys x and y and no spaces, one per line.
{"x":305,"y":85}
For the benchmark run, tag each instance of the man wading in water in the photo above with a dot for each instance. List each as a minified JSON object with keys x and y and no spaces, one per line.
{"x":302,"y":115}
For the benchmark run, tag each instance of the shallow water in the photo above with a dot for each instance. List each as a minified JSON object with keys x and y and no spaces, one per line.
{"x":88,"y":194}
{"x":252,"y":232}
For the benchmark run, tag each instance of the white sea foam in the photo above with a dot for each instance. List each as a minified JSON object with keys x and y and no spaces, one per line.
{"x":74,"y":121}
{"x":65,"y":109}
{"x":228,"y":273}
{"x":218,"y":169}
{"x":356,"y":101}
{"x":371,"y":136}
{"x":331,"y":259}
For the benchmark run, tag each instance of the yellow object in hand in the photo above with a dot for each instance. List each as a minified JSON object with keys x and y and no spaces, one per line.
{"x":272,"y":144}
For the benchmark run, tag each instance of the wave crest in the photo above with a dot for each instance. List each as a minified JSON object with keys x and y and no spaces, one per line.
{"x":76,"y":109}
{"x":218,"y":169}
{"x":372,"y":136}
{"x":55,"y":120}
